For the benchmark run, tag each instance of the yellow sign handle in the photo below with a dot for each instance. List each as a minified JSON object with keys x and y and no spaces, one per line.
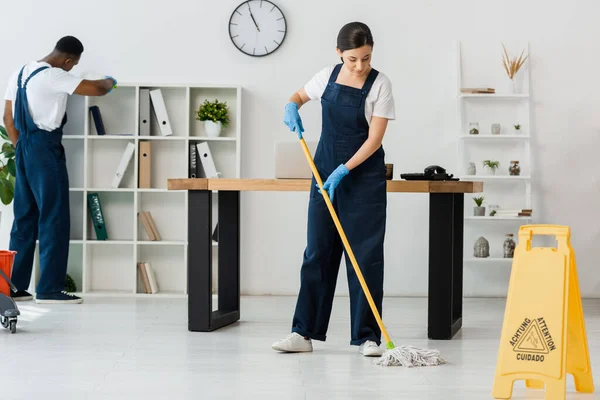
{"x":389,"y":343}
{"x":546,"y":229}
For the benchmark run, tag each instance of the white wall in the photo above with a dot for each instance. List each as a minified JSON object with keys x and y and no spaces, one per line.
{"x":187,"y":41}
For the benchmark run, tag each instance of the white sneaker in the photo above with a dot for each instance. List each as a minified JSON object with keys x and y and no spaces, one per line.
{"x":370,"y":349}
{"x":293,"y":343}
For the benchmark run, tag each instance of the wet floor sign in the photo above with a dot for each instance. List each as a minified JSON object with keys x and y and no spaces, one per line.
{"x":543,"y":334}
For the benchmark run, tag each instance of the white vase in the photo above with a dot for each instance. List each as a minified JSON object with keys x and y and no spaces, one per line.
{"x":213,"y":129}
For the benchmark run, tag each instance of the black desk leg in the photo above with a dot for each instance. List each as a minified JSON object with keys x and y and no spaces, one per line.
{"x":201,"y":317}
{"x":446,"y":213}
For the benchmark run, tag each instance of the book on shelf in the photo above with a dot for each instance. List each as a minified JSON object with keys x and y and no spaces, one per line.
{"x":97,"y":117}
{"x":97,"y":216}
{"x":147,"y":278}
{"x":526,"y":212}
{"x":481,"y":90}
{"x":149,"y":225}
{"x":193,"y":164}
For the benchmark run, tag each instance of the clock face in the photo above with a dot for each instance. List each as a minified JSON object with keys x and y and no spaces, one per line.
{"x":257,"y":27}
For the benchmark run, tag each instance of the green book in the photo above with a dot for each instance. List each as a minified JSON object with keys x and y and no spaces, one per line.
{"x":97,"y":216}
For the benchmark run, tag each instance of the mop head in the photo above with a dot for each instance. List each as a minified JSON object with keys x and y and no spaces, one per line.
{"x":409,"y":356}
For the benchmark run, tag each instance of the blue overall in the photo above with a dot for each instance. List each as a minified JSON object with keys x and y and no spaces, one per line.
{"x":360,"y":202}
{"x":41,"y":201}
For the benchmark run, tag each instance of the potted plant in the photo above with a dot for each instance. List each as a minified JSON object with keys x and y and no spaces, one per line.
{"x":517,"y":128}
{"x":8,"y":169}
{"x":479,"y":210}
{"x":215,"y":115}
{"x":512,"y":66}
{"x":491,"y":165}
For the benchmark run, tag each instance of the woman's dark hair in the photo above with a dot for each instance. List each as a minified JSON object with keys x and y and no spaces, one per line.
{"x":353,"y":36}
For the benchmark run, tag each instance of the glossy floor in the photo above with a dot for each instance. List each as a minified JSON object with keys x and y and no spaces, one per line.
{"x":141,"y":349}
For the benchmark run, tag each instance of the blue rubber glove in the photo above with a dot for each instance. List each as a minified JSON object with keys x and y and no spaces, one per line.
{"x":334,"y":180}
{"x":292,"y":119}
{"x":114,"y":83}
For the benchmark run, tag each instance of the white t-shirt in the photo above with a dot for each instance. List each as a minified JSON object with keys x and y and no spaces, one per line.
{"x":47,"y":93}
{"x":380,"y":100}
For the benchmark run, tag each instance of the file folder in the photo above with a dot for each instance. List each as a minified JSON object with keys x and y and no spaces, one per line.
{"x":207,"y":161}
{"x":97,"y":216}
{"x":193,"y":162}
{"x":145,"y":112}
{"x":125,"y":158}
{"x":160,"y":110}
{"x":145,"y":166}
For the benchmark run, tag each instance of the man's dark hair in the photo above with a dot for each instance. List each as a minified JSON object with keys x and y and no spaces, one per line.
{"x":70,"y":45}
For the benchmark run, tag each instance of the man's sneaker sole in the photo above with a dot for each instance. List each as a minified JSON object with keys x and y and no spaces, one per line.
{"x":53,"y":301}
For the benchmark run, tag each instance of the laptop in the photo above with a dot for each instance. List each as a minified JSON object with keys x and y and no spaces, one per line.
{"x":289,"y":160}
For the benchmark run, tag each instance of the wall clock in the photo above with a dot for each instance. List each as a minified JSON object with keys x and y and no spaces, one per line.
{"x":257,"y":27}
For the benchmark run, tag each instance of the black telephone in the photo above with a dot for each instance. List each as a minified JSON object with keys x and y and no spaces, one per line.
{"x":431,"y":173}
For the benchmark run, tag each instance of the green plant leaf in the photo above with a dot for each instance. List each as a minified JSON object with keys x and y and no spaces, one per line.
{"x":7,"y":191}
{"x":11,"y":166}
{"x":3,"y":133}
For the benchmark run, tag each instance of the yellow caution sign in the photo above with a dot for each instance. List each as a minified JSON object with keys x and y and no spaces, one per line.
{"x":543,"y":334}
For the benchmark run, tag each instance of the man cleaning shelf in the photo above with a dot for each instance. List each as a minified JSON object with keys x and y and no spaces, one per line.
{"x":39,"y":92}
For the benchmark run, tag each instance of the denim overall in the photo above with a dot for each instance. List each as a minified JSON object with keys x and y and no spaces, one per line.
{"x":41,"y":200}
{"x":360,"y":202}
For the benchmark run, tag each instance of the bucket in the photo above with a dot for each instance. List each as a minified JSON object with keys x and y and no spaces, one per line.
{"x":7,"y":257}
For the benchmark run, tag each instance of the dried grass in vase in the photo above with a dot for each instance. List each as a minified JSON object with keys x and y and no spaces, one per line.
{"x":512,"y":66}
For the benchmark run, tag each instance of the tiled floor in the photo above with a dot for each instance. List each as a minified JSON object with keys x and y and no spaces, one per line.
{"x":141,"y":349}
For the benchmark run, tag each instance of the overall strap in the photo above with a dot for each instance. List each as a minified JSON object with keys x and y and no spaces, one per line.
{"x":34,"y":73}
{"x":335,"y":73}
{"x":370,"y":80}
{"x":20,"y":77}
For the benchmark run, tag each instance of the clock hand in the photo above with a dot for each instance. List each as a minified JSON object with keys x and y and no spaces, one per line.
{"x":257,"y":28}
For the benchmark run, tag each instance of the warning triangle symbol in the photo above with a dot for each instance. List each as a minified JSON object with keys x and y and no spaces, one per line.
{"x":531,"y":341}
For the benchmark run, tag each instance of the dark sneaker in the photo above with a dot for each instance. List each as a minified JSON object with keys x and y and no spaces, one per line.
{"x":21,"y":295}
{"x":58,"y":298}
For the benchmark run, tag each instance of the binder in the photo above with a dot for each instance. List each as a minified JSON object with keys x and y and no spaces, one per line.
{"x":145,"y":112}
{"x":145,"y":165}
{"x":160,"y":110}
{"x":125,"y":158}
{"x":208,"y":164}
{"x":97,"y":216}
{"x":97,"y":117}
{"x":193,"y":162}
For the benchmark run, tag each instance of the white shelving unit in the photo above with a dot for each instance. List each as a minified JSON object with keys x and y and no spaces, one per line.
{"x":109,"y":267}
{"x":502,"y":189}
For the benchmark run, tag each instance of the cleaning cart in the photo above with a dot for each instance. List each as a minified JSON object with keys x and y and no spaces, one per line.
{"x":8,"y":308}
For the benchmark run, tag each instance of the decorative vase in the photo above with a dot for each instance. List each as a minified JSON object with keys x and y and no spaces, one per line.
{"x":481,"y":248}
{"x":472,"y":169}
{"x":514,"y":168}
{"x":517,"y":131}
{"x":473,"y":128}
{"x":509,"y":246}
{"x":479,"y":211}
{"x":213,"y":129}
{"x":496,"y":128}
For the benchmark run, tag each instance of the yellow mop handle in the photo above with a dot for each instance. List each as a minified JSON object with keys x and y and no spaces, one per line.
{"x":389,"y":343}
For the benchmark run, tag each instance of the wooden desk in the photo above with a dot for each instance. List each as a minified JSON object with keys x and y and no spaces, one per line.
{"x":446,"y":218}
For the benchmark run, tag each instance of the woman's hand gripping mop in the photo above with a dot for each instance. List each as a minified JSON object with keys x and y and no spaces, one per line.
{"x":405,"y":356}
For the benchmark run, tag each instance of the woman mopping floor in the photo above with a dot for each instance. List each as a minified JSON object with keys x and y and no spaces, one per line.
{"x":357,"y":102}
